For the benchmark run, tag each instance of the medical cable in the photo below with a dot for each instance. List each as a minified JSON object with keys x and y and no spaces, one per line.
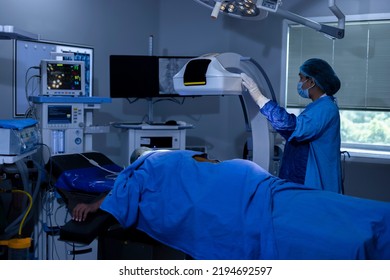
{"x":28,"y":208}
{"x":131,"y":101}
{"x":30,"y":110}
{"x":13,"y":227}
{"x":175,"y":100}
{"x":94,"y":163}
{"x":28,"y":79}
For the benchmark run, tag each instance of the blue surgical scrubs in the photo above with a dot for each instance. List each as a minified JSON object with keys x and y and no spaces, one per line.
{"x":312,"y":151}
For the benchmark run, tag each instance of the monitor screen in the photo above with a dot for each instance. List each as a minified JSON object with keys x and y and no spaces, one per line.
{"x":59,"y":114}
{"x":62,"y":78}
{"x":134,"y":76}
{"x":169,"y":66}
{"x":86,"y":57}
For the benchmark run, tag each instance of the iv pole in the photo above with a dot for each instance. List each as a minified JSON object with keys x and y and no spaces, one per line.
{"x":150,"y":100}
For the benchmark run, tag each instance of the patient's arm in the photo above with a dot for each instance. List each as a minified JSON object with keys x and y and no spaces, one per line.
{"x":81,"y":210}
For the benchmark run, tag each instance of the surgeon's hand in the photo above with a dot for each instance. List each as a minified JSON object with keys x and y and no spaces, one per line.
{"x":254,"y":91}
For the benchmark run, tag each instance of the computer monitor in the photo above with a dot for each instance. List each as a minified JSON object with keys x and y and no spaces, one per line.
{"x":133,"y":76}
{"x":138,"y":76}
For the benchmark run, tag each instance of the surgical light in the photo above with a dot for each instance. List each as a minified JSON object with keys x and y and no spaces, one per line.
{"x":259,"y":9}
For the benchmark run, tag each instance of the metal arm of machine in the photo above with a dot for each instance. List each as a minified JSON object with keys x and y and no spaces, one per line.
{"x":334,"y":32}
{"x":259,"y":9}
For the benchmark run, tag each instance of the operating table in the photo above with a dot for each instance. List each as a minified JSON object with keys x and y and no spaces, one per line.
{"x":236,"y":210}
{"x":114,"y":241}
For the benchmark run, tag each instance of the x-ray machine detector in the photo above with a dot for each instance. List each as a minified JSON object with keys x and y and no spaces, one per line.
{"x":220,"y":74}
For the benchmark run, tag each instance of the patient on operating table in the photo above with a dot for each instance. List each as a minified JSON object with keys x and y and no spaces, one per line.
{"x":234,"y":209}
{"x":81,"y":211}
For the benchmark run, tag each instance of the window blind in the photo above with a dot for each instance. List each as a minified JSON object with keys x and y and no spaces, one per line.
{"x":361,"y":60}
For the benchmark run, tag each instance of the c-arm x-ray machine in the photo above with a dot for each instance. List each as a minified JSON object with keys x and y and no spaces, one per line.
{"x":220,"y":74}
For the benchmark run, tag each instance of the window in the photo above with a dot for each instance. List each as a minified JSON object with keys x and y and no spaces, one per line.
{"x":365,"y":129}
{"x":362,"y":62}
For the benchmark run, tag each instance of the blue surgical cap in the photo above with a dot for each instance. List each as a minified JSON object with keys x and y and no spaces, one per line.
{"x":322,"y":74}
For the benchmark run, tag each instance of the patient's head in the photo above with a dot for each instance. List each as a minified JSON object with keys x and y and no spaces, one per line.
{"x":139,"y":152}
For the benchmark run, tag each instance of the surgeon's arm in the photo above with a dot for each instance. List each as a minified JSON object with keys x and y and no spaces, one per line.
{"x":81,"y":210}
{"x":282,"y":121}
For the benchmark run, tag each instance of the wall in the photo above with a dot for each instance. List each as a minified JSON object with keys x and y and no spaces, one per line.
{"x":367,"y":177}
{"x":6,"y":78}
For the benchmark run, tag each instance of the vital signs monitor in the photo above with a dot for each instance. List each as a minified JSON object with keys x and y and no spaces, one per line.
{"x":62,"y":78}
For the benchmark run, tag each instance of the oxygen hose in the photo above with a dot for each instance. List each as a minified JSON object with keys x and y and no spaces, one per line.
{"x":18,"y":246}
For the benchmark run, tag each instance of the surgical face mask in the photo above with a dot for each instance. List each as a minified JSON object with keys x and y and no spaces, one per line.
{"x":303,"y":92}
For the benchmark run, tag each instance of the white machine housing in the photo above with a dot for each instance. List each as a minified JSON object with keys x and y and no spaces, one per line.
{"x":170,"y":137}
{"x":62,"y":126}
{"x":207,"y":75}
{"x":18,"y":142}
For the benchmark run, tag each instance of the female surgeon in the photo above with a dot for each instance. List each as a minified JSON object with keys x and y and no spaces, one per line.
{"x":312,"y":151}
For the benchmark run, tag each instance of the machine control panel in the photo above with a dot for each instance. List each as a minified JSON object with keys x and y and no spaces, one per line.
{"x":270,"y":5}
{"x":63,"y":116}
{"x":62,"y":126}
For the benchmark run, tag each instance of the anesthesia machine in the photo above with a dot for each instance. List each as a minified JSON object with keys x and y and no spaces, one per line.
{"x":64,"y":107}
{"x":66,"y":122}
{"x":62,"y":126}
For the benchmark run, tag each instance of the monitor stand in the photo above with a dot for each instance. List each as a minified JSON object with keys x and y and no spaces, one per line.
{"x":150,"y":110}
